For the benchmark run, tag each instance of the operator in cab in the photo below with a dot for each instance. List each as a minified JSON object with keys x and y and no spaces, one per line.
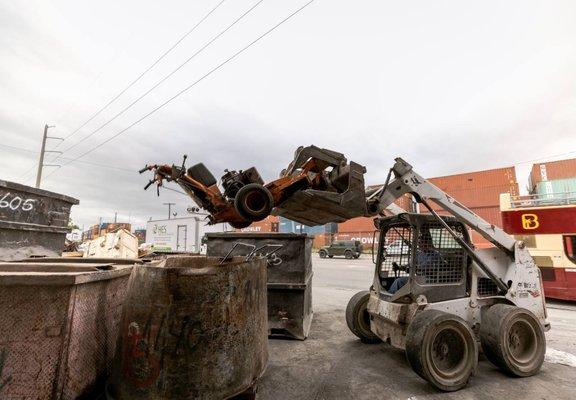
{"x":427,"y":258}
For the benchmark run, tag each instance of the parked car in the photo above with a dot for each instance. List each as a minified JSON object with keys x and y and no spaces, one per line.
{"x":347,"y":248}
{"x":397,"y":247}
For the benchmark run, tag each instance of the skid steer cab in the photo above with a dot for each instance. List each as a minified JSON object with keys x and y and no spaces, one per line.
{"x":430,"y":298}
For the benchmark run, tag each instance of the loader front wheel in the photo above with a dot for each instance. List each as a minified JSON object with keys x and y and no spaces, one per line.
{"x":513,"y":340}
{"x":358,"y":319}
{"x":441,"y":348}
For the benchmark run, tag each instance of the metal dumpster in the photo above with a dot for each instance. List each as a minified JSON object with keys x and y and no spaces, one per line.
{"x":32,"y":221}
{"x":192,"y":328}
{"x":289,"y":275}
{"x":58,"y":327}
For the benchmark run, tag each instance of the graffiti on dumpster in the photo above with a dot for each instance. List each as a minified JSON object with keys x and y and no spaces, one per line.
{"x":145,"y":348}
{"x":3,"y":382}
{"x":272,"y":259}
{"x":16,"y":202}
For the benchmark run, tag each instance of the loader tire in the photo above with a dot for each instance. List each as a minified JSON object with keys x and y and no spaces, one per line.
{"x":442,"y":349}
{"x":202,"y":174}
{"x":358,"y":319}
{"x":253,"y":202}
{"x":513,"y":339}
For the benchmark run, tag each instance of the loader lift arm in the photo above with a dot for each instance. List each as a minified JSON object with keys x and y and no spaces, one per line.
{"x":407,"y":181}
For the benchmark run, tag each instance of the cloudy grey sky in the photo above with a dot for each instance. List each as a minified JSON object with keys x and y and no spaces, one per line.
{"x":452,"y":86}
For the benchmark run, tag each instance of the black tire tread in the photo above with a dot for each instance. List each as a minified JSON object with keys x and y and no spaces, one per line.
{"x":493,"y":321}
{"x":355,"y":304}
{"x":245,"y":213}
{"x":415,"y":339}
{"x":202,"y":174}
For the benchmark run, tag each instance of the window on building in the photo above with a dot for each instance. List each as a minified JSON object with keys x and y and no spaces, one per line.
{"x":570,"y":247}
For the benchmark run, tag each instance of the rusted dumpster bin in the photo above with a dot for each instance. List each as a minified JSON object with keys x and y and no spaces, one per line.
{"x":192,"y":329}
{"x":32,"y":221}
{"x":289,"y":264}
{"x":58,"y":327}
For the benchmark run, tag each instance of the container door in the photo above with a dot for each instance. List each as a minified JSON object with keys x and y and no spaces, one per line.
{"x":181,"y":234}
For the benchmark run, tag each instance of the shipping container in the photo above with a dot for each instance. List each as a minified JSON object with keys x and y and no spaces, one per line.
{"x":288,"y":226}
{"x":181,"y":234}
{"x":556,"y":187}
{"x":268,"y":224}
{"x":366,"y":238}
{"x":321,"y":240}
{"x":550,"y":171}
{"x":360,"y":224}
{"x":473,"y":180}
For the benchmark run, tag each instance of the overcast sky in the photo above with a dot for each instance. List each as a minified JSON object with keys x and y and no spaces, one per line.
{"x":452,"y":86}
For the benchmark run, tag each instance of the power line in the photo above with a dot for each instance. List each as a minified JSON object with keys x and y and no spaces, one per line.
{"x":69,"y":159}
{"x":544,"y":158}
{"x":169,"y":50}
{"x":161,"y":81}
{"x":191,"y":85}
{"x":147,"y":69}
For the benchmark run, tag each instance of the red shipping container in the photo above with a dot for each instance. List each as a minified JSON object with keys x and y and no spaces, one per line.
{"x":359,"y":224}
{"x":479,"y":197}
{"x":473,"y":180}
{"x":552,"y":170}
{"x":481,"y":188}
{"x":321,"y":240}
{"x":268,"y":224}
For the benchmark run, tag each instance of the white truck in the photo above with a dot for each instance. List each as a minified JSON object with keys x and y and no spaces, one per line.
{"x":181,"y":234}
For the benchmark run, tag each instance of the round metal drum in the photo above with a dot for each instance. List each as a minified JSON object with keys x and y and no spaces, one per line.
{"x":192,"y":329}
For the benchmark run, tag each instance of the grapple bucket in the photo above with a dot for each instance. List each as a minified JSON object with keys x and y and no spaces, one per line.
{"x":317,"y":207}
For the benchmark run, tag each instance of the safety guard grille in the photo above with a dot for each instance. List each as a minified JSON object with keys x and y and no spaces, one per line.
{"x":440,"y":258}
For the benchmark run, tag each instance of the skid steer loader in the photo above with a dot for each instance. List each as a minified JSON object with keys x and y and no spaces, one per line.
{"x":438,"y":298}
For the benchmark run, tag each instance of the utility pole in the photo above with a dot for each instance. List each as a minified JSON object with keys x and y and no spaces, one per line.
{"x":42,"y":152}
{"x":169,"y":208}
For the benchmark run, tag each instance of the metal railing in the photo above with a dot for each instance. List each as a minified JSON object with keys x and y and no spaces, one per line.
{"x":540,"y":200}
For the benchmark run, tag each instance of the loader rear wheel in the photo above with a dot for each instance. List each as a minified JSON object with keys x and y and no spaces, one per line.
{"x":441,"y":348}
{"x":253,"y":202}
{"x":358,"y":319}
{"x":513,"y":340}
{"x":323,"y":253}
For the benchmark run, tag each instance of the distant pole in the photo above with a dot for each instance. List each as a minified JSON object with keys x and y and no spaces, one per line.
{"x":44,"y":151}
{"x":115,"y":216}
{"x":169,"y":208}
{"x":41,"y":161}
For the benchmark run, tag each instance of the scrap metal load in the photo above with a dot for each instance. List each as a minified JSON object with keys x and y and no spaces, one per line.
{"x":317,"y":187}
